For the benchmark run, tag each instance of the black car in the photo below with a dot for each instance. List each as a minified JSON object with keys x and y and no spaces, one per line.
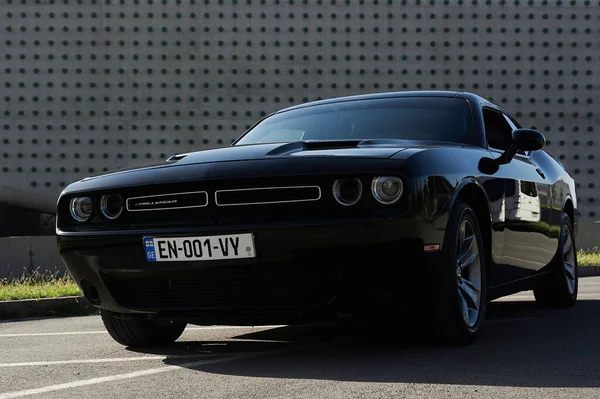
{"x":368,"y":205}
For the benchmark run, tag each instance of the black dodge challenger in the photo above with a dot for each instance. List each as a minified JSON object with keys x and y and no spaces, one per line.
{"x":374,"y":205}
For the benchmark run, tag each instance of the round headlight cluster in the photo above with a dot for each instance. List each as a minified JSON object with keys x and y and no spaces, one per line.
{"x":111,"y":206}
{"x":347,"y":192}
{"x":387,"y":189}
{"x":81,"y":208}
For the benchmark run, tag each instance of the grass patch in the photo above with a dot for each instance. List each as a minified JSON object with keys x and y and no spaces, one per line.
{"x":37,"y":285}
{"x":589,"y":258}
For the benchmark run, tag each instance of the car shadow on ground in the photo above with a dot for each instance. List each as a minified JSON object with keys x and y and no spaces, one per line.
{"x":522,"y":345}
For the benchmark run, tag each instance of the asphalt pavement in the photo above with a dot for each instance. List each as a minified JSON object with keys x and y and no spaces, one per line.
{"x":525,"y":351}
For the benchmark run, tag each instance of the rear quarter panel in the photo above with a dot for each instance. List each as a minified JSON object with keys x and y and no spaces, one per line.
{"x":563,"y":188}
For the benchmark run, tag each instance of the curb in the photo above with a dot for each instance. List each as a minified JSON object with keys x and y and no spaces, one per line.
{"x":589,"y":271}
{"x":27,"y":308}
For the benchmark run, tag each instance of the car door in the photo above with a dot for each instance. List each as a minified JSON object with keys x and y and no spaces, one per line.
{"x":538,"y":201}
{"x":526,"y":226}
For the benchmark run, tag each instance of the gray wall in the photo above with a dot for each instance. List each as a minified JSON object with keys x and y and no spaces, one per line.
{"x":25,"y":255}
{"x":89,"y":85}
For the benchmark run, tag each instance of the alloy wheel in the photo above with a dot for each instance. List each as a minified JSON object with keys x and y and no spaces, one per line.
{"x":468,"y":273}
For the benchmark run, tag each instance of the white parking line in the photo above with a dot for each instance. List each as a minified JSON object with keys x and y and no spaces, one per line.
{"x":105,"y":332}
{"x":110,"y":378}
{"x":52,"y":333}
{"x":143,"y":373}
{"x":107,"y":360}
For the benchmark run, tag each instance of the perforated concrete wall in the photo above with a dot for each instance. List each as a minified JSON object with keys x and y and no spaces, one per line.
{"x":89,"y":85}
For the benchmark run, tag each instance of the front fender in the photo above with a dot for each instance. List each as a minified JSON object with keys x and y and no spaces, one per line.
{"x":438,"y":196}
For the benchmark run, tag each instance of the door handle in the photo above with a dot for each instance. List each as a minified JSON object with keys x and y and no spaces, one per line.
{"x":540,"y":173}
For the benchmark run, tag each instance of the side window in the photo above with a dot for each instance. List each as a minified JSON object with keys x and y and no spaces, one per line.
{"x":512,"y":122}
{"x":497,"y":130}
{"x":513,"y":125}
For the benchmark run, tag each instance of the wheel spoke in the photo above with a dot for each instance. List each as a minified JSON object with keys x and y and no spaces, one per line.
{"x":570,"y":270}
{"x":470,"y":294}
{"x":567,"y":245}
{"x":465,"y":263}
{"x":468,"y":273}
{"x":464,"y":310}
{"x":466,"y":249}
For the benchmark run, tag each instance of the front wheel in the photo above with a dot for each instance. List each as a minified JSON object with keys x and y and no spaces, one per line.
{"x":140,"y":333}
{"x":460,"y":280}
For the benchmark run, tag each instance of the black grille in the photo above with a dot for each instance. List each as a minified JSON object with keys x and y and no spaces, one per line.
{"x":267,"y":195}
{"x":228,"y":287}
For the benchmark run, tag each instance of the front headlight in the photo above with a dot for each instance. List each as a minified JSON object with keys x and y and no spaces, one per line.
{"x":81,"y":208}
{"x":111,"y":206}
{"x":347,"y":192}
{"x":387,"y":189}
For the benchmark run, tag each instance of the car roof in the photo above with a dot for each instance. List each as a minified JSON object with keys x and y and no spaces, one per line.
{"x":396,"y":94}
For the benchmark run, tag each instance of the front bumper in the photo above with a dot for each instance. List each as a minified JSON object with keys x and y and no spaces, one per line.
{"x":298,"y":269}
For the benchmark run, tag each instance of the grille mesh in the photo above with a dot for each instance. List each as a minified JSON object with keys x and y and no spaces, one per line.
{"x":228,"y":287}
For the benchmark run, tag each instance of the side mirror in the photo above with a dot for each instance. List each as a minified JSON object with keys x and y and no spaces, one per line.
{"x":522,"y":139}
{"x":528,"y":139}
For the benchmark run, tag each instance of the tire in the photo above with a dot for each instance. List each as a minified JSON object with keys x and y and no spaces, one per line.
{"x":560,"y":288}
{"x":460,"y":299}
{"x":140,"y":333}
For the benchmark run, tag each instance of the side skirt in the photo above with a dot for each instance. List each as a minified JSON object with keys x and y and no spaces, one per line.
{"x":524,"y":284}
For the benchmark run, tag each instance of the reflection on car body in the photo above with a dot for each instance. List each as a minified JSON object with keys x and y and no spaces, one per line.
{"x":524,"y":204}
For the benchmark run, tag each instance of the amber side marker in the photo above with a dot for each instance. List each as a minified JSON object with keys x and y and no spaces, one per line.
{"x":431,"y":247}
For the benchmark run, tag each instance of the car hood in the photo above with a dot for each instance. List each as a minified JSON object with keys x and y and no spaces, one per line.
{"x":378,"y":148}
{"x":247,"y":160}
{"x":345,"y":148}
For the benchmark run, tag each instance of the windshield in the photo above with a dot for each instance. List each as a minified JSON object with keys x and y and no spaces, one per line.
{"x":408,"y":118}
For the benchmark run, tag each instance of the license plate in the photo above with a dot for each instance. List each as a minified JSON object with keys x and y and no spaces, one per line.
{"x":174,"y":249}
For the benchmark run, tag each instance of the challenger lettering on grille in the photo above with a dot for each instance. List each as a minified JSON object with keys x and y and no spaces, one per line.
{"x":160,"y":202}
{"x":154,"y":203}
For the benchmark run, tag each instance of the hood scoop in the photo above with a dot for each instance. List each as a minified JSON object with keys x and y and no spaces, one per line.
{"x":330,"y":145}
{"x":176,"y":157}
{"x":297,"y":146}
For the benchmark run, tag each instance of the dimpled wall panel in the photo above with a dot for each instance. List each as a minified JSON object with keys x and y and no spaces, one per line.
{"x":93,"y":85}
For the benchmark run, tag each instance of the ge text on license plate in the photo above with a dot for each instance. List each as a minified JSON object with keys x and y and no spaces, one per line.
{"x":173,"y":249}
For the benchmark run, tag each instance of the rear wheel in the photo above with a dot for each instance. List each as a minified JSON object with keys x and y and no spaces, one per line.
{"x":460,"y":298}
{"x":561,"y":286}
{"x":140,"y":333}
